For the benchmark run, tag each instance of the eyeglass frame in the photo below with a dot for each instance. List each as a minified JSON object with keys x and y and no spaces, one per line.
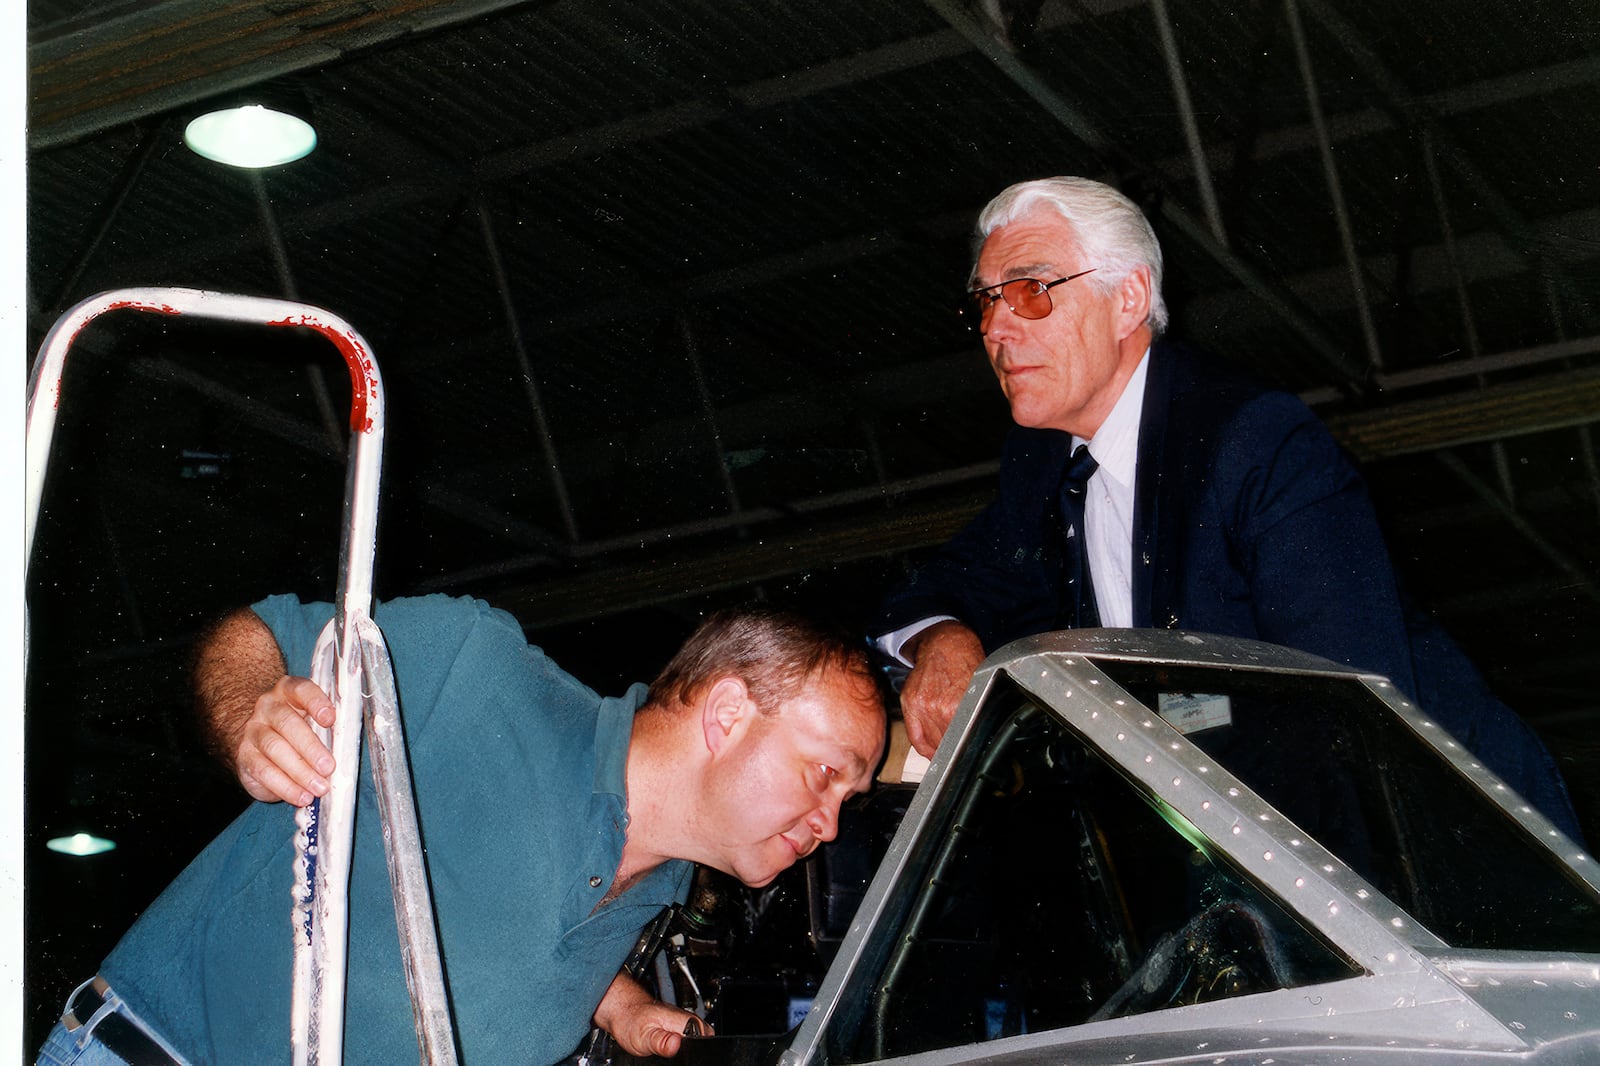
{"x":986,"y":310}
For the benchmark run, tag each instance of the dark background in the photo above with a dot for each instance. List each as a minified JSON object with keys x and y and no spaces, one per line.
{"x":663,"y":299}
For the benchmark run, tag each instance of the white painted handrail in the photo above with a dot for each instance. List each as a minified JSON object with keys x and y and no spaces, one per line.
{"x":356,"y":673}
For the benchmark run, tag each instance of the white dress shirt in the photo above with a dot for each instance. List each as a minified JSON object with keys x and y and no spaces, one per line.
{"x":1107,"y":515}
{"x":1108,"y":505}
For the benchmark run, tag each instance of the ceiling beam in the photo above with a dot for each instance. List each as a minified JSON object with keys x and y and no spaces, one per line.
{"x":653,"y":578}
{"x":656,"y":575}
{"x":944,"y":372}
{"x":801,"y":84}
{"x":1473,"y":416}
{"x":89,"y":75}
{"x":799,"y":536}
{"x":803,"y":536}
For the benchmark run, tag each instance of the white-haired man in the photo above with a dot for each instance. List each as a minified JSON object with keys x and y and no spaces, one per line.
{"x":1146,"y":485}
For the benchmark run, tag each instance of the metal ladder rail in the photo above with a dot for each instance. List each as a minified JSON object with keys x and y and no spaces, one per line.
{"x":358,"y":677}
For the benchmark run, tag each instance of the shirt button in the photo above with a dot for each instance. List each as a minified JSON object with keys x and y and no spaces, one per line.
{"x":594,"y":882}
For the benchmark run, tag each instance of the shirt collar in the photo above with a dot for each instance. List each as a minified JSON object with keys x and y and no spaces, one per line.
{"x":1115,"y":446}
{"x":612,"y":733}
{"x":608,"y":821}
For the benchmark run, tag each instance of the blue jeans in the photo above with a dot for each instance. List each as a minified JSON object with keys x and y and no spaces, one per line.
{"x":80,"y":1046}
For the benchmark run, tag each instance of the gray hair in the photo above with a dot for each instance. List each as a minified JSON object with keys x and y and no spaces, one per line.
{"x":1113,"y":233}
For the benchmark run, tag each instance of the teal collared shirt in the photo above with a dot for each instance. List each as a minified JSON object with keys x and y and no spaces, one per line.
{"x":519,"y":772}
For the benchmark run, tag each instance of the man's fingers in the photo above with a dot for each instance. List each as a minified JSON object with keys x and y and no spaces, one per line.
{"x":914,"y":733}
{"x":928,"y":702}
{"x":667,"y":1042}
{"x":925,"y":730}
{"x":281,"y":756}
{"x":291,"y":742}
{"x":924,"y":725}
{"x":309,"y":697}
{"x":273,"y":785}
{"x":664,"y":1044}
{"x":276,"y":764}
{"x":650,"y":1027}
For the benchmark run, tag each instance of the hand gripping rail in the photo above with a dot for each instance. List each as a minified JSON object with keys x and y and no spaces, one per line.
{"x":352,"y":666}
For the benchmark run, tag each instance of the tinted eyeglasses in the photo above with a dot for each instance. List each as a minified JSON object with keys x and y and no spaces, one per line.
{"x":1027,"y":298}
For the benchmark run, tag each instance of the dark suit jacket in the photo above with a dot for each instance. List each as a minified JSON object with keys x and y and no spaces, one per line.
{"x":1249,"y":521}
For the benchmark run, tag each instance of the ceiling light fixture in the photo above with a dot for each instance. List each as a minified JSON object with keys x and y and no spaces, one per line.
{"x":260,"y":131}
{"x":81,"y":844}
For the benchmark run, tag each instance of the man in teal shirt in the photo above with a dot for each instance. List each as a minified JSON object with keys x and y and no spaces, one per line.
{"x":557,"y":824}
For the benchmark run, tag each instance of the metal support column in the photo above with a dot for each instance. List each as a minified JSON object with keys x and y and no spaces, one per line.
{"x":1591,"y":466}
{"x":880,"y":469}
{"x":691,"y":351}
{"x":1586,"y":440}
{"x":1191,"y":130}
{"x":127,"y":178}
{"x":519,"y":348}
{"x":1341,"y":214}
{"x":1469,"y":324}
{"x":291,"y":291}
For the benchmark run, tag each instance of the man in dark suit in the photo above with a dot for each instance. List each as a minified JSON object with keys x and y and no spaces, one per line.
{"x":1145,"y":485}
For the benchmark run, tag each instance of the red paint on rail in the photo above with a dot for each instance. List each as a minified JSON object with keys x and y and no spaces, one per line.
{"x":165,"y":309}
{"x":115,"y":305}
{"x":363,"y":374}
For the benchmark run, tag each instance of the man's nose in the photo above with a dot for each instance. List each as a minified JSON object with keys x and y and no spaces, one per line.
{"x":1003,"y":322}
{"x":824,"y":821}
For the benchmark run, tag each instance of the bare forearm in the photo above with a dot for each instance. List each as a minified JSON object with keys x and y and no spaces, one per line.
{"x":237,"y":662}
{"x":259,"y":721}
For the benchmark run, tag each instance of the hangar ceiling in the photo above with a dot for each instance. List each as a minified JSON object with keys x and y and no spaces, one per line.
{"x":663,"y":297}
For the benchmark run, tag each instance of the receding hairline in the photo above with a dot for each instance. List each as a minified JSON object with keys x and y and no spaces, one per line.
{"x":775,"y":652}
{"x":851,"y":667}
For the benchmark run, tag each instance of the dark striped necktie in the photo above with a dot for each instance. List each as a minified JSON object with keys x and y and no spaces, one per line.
{"x":1079,"y":598}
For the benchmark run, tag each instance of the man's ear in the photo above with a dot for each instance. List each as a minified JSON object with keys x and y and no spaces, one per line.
{"x":725,"y":708}
{"x":1133,"y":294}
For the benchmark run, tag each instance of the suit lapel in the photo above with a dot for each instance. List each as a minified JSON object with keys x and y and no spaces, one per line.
{"x":1153,"y":577}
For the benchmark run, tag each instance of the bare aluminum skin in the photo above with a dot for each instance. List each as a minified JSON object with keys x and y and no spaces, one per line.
{"x":1420,"y":1001}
